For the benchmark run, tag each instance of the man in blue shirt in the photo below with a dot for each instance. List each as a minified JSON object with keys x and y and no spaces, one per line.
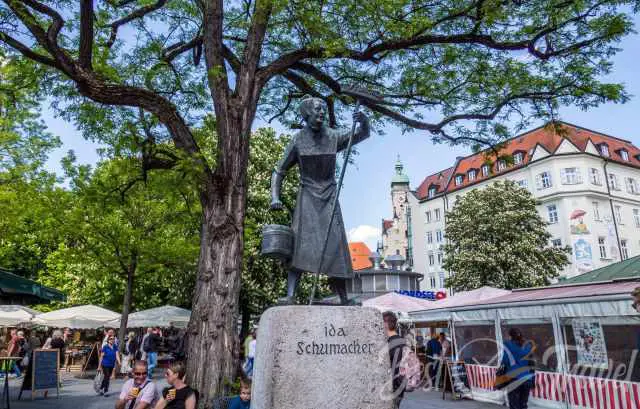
{"x":516,"y":360}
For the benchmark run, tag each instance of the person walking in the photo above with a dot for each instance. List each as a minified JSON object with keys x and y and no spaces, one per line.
{"x":519,"y":368}
{"x":396,"y":344}
{"x":178,"y":395}
{"x":109,"y":356}
{"x":130,"y":349}
{"x":251,"y":356}
{"x":151,"y":346}
{"x":434,"y":353}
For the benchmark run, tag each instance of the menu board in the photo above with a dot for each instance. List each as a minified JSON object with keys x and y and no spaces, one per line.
{"x":45,"y":369}
{"x":457,"y":373}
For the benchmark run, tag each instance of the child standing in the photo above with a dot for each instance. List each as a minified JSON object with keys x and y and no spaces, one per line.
{"x":242,"y":401}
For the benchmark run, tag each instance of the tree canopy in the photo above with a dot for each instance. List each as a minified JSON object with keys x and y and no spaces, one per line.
{"x":495,"y":237}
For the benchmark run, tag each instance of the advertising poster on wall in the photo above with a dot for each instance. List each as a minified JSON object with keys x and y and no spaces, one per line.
{"x":590,"y":346}
{"x":581,"y":247}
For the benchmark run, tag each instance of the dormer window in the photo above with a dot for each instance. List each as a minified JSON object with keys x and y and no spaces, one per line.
{"x":502,"y":165}
{"x":624,"y":155}
{"x":485,"y":170}
{"x":517,"y":158}
{"x":471,"y":175}
{"x":459,"y":179}
{"x":432,"y":192}
{"x":604,"y":150}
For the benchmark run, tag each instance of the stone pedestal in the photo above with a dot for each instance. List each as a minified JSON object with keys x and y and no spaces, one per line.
{"x":320,"y":357}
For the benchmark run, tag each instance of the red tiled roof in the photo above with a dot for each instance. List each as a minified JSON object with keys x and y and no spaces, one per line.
{"x":439,"y":180}
{"x":547,"y":137}
{"x":360,"y":255}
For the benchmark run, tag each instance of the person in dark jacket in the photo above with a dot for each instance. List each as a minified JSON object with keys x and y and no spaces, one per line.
{"x":434,"y":352}
{"x":516,"y":360}
{"x":396,"y":345}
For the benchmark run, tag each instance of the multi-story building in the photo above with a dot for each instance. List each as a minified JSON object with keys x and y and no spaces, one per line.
{"x":586,"y":184}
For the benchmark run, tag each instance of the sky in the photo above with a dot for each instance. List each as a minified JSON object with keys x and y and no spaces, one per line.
{"x":366,"y":195}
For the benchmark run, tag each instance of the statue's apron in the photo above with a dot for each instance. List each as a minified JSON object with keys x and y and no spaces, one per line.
{"x":313,"y":213}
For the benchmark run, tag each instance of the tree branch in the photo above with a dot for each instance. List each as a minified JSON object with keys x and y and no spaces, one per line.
{"x":86,"y":34}
{"x":173,"y":51}
{"x":28,"y":52}
{"x":136,"y":14}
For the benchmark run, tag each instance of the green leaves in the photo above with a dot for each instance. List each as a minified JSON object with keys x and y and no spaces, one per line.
{"x":495,"y":237}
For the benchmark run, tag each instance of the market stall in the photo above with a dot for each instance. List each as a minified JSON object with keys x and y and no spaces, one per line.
{"x":586,"y":335}
{"x":12,"y":315}
{"x":163,"y":317}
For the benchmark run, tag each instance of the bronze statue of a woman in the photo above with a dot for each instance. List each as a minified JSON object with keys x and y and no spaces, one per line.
{"x":314,"y":150}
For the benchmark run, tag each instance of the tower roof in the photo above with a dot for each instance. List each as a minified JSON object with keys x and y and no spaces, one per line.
{"x":399,"y":176}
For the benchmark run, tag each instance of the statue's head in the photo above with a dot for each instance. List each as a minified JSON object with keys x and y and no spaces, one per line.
{"x":314,"y":111}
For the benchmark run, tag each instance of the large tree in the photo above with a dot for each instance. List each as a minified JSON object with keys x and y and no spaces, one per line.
{"x":495,"y":237}
{"x":438,"y":63}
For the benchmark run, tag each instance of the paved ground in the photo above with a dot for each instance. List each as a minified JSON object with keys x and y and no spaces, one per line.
{"x":79,"y":394}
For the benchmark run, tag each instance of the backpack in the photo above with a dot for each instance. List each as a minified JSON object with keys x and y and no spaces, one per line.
{"x":410,"y":369}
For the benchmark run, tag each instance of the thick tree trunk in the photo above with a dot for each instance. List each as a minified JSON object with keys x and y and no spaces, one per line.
{"x":126,"y":304}
{"x":213,"y":345}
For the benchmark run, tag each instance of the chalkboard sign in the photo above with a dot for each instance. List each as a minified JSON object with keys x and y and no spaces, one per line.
{"x":45,"y":369}
{"x":457,"y":376}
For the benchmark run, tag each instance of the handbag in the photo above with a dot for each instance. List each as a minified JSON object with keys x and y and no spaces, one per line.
{"x":503,"y":378}
{"x":97,"y":381}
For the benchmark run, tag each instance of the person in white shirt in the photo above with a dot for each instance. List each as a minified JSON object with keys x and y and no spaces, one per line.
{"x":139,"y":392}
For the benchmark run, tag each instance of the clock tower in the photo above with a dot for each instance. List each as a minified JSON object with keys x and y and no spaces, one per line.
{"x":396,"y":233}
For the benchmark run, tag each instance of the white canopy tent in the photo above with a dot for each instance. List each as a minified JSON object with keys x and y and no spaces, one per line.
{"x":164,"y":316}
{"x":83,"y":316}
{"x":12,"y":315}
{"x":398,"y":303}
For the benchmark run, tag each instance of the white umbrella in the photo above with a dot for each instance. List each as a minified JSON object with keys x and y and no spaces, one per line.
{"x":83,"y":316}
{"x":164,"y":316}
{"x":12,"y":315}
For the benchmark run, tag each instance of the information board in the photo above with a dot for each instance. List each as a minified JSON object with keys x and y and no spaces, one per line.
{"x":45,"y":369}
{"x":457,"y":376}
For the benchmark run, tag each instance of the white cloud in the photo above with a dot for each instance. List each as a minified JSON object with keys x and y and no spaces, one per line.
{"x":366,"y":233}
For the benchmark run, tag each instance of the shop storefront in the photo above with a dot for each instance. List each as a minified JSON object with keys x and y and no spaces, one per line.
{"x":587,"y":339}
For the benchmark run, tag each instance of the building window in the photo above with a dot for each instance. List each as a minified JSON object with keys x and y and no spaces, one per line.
{"x":393,"y":282}
{"x":613,"y":182}
{"x":552,"y":210}
{"x":632,"y":186}
{"x":458,"y":180}
{"x":432,"y":281}
{"x":557,"y":243}
{"x":432,"y":259}
{"x":440,"y":258}
{"x":625,"y":250}
{"x":603,"y":247}
{"x":441,"y":274}
{"x":429,"y":237}
{"x":596,"y":211}
{"x":432,"y":192}
{"x":502,"y":165}
{"x":618,"y":213}
{"x":485,"y":170}
{"x":594,"y":176}
{"x":543,"y":180}
{"x":517,"y":158}
{"x":471,"y":175}
{"x":427,"y":216}
{"x":523,"y":183}
{"x":636,"y":217}
{"x":570,"y":176}
{"x":624,"y":154}
{"x":436,"y":214}
{"x":604,"y":150}
{"x":438,"y":236}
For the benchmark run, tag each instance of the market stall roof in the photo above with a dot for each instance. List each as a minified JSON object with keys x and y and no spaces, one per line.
{"x":463,"y":298}
{"x":165,"y":316}
{"x":611,"y":300}
{"x":83,"y":316}
{"x":629,"y":268}
{"x":15,"y":288}
{"x":395,"y":302}
{"x":12,"y":315}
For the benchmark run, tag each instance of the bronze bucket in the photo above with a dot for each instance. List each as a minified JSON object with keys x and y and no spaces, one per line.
{"x":277,"y":241}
